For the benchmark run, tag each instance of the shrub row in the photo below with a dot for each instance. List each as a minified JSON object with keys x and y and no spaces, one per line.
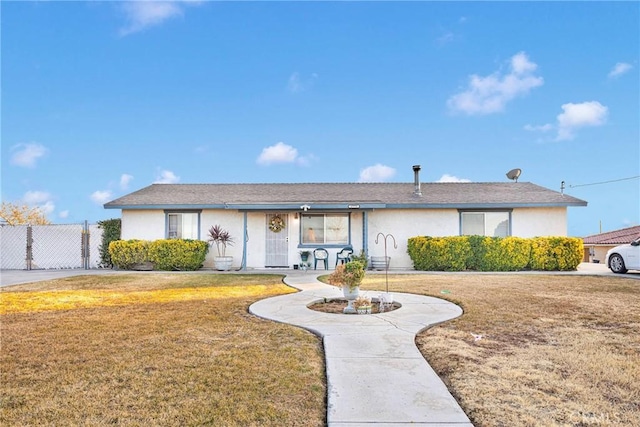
{"x":459,"y":253}
{"x":164,"y":254}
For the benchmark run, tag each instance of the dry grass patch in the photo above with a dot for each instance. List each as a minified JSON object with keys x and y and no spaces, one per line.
{"x":155,"y":349}
{"x":556,"y":350}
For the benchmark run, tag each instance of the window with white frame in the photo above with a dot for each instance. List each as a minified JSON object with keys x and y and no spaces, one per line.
{"x":492,"y":224}
{"x":325,"y":229}
{"x":183,"y":225}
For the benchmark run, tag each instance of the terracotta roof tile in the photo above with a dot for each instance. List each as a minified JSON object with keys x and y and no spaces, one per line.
{"x":616,"y":237}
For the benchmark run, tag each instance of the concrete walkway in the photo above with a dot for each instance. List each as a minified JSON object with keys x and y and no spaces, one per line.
{"x":375,"y":373}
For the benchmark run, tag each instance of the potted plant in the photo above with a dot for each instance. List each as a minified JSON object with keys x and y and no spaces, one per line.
{"x":348,"y":276}
{"x":304,"y":256}
{"x":362,"y":305}
{"x":221,"y":238}
{"x":362,"y":257}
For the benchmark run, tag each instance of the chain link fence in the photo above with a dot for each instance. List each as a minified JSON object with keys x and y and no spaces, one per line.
{"x":57,"y":246}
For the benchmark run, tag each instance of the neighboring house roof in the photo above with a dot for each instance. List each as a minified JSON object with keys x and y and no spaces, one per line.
{"x":616,"y":237}
{"x":343,"y":196}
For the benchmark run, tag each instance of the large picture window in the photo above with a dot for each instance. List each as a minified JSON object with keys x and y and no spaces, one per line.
{"x":183,"y":225}
{"x":325,"y":229}
{"x":492,"y":224}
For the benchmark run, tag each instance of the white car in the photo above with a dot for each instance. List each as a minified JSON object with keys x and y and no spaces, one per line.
{"x":624,"y":257}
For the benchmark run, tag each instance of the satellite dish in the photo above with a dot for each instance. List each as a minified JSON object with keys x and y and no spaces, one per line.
{"x":513,"y":174}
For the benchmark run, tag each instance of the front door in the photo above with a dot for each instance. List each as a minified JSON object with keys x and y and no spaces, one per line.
{"x":277,"y":241}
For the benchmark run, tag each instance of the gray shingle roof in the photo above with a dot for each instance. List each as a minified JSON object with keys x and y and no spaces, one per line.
{"x":379,"y":195}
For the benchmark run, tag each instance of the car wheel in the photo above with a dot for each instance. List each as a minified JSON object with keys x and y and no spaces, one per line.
{"x":616,"y":264}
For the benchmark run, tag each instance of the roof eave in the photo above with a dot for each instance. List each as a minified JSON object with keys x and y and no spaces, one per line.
{"x":342,"y":205}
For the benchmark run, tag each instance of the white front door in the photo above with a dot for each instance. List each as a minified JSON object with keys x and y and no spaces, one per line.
{"x":277,"y":241}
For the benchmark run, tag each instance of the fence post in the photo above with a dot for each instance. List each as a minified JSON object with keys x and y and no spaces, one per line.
{"x":85,"y":246}
{"x":29,"y":246}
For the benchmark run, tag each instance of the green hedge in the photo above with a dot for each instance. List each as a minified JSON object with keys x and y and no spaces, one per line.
{"x":556,"y":253}
{"x":439,"y":253}
{"x":164,"y":254}
{"x":175,"y":254}
{"x":458,"y":253}
{"x":504,"y":254}
{"x":125,"y":254}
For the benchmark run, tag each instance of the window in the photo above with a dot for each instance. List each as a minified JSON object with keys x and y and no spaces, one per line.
{"x":183,"y":225}
{"x":492,"y":224}
{"x":327,"y":229}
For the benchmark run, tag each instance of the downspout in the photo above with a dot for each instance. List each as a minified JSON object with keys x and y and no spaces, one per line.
{"x":365,"y":233}
{"x":243,"y":267}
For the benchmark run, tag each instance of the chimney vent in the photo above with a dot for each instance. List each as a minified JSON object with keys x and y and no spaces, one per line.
{"x":416,"y":180}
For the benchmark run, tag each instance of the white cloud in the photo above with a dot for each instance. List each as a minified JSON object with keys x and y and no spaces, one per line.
{"x":490,"y":94}
{"x":445,"y":38}
{"x":539,"y":128}
{"x":47,"y":207}
{"x":575,"y":116}
{"x":36,"y":197}
{"x":41,"y":199}
{"x":125,"y":179}
{"x":451,"y":178}
{"x":27,"y":154}
{"x":166,"y":177}
{"x":305,"y":160}
{"x":101,"y":196}
{"x":619,"y":69}
{"x":297,"y":84}
{"x":376,"y":173}
{"x":63,"y":214}
{"x":279,"y":153}
{"x":142,"y":14}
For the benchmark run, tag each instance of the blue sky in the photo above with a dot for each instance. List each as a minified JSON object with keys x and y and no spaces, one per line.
{"x":100,"y":99}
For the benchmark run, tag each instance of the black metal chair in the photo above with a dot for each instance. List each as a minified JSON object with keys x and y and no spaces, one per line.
{"x":320,"y":254}
{"x":344,"y":255}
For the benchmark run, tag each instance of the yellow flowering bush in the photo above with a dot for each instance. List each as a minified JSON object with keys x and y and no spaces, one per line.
{"x":125,"y":254}
{"x":556,"y":253}
{"x":164,"y":254}
{"x":178,"y":254}
{"x":482,"y":253}
{"x":439,"y":253}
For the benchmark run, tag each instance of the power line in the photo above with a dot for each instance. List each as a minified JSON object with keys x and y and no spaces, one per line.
{"x":605,"y":182}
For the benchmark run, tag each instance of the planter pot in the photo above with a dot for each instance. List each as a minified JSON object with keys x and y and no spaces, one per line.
{"x":350,"y":295}
{"x":223,"y":263}
{"x":365,"y":309}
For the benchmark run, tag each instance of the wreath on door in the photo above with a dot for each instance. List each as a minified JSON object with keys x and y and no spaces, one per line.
{"x":276,"y":224}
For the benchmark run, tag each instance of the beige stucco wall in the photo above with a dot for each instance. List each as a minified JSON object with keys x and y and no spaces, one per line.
{"x":534,"y":222}
{"x":400,"y":223}
{"x":143,"y":225}
{"x":406,"y":223}
{"x":231,"y":221}
{"x":600,"y":253}
{"x":403,"y":224}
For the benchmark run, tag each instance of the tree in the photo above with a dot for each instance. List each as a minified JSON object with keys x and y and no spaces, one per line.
{"x":15,"y":214}
{"x":111,"y":232}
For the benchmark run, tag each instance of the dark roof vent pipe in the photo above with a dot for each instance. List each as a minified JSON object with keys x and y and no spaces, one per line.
{"x":416,"y":181}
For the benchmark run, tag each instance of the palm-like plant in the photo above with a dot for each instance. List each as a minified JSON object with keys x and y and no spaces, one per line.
{"x":221,"y":238}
